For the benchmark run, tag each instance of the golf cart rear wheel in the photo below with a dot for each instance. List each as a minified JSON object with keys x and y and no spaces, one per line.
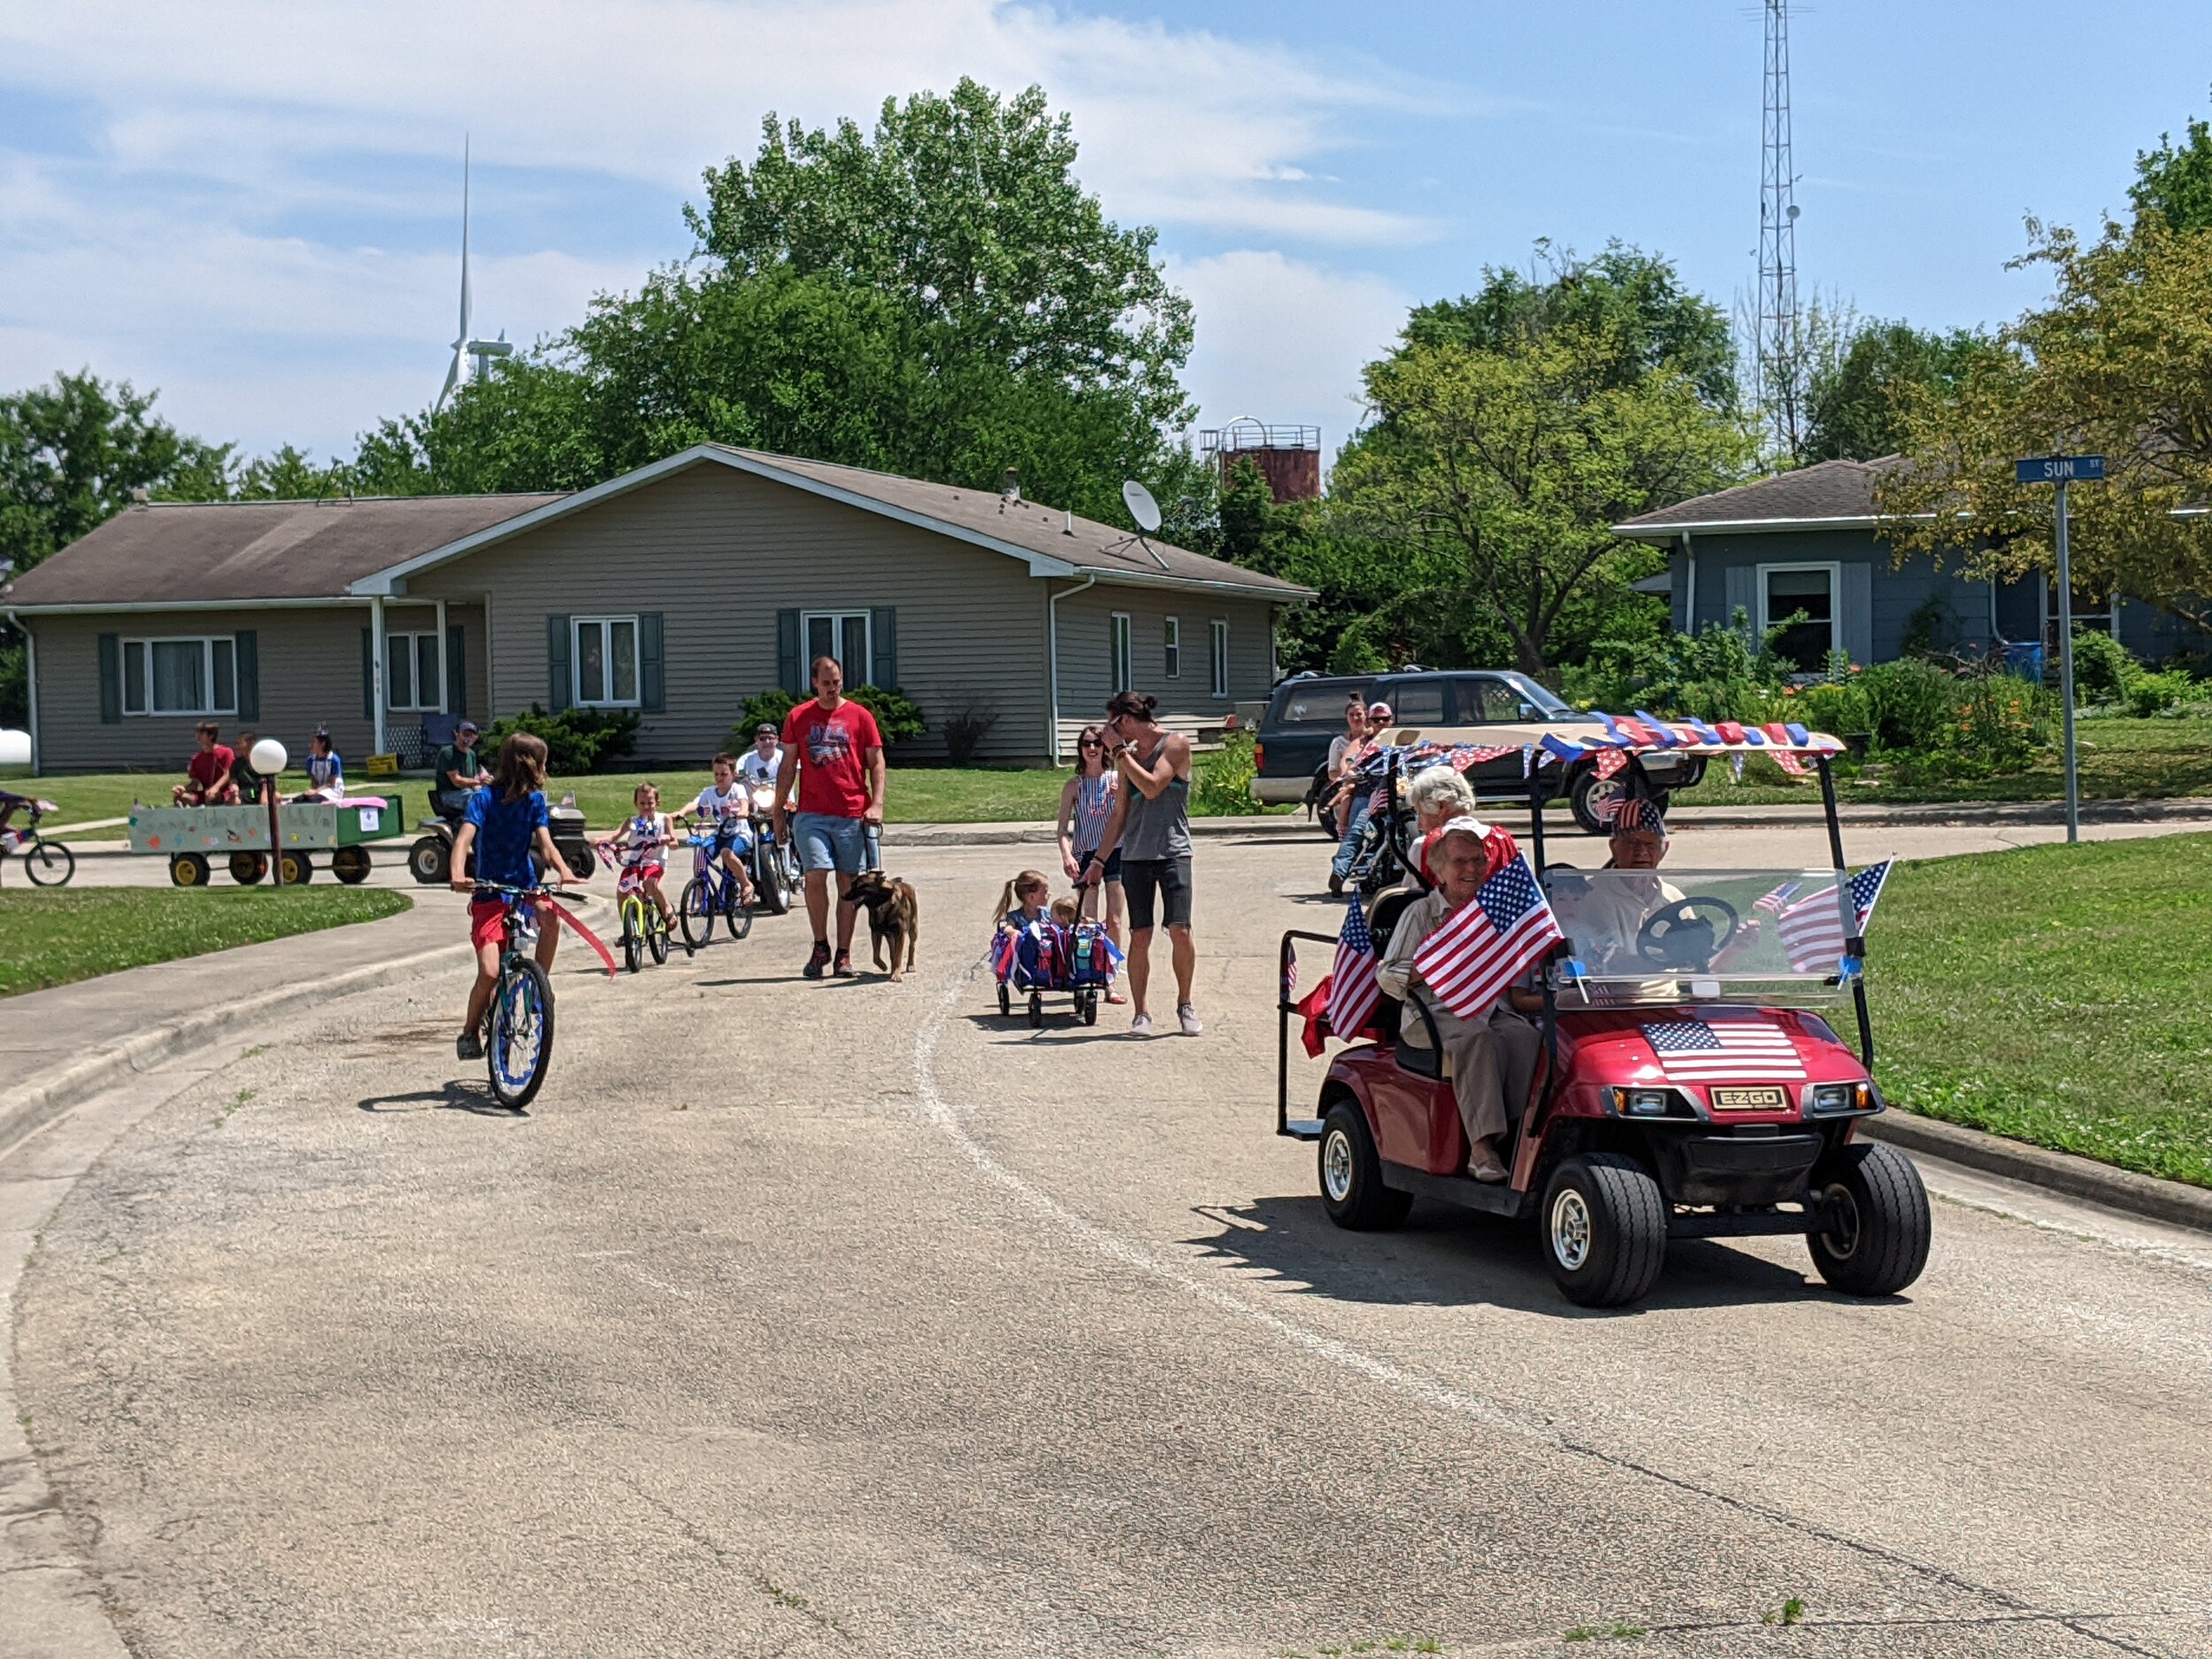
{"x":1604,"y":1227}
{"x":1589,"y":795}
{"x":1352,"y":1189}
{"x":1877,"y":1242}
{"x":351,"y":865}
{"x":189,"y":869}
{"x":429,"y":859}
{"x":248,"y":868}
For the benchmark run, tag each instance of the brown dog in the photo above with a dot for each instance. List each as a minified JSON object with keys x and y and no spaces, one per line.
{"x":893,"y":914}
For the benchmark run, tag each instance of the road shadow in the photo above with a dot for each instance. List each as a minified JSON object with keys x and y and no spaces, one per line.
{"x":476,"y":1098}
{"x":1446,"y":1257}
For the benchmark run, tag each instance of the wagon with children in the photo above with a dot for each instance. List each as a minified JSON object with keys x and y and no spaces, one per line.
{"x":1042,"y":949}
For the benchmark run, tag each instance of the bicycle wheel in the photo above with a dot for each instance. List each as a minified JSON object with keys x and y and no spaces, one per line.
{"x":656,"y":934}
{"x":633,"y":944}
{"x":49,"y":864}
{"x":521,"y":1039}
{"x":694,"y":914}
{"x":736,"y":916}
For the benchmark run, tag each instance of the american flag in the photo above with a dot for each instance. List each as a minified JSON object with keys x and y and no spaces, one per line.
{"x":1610,"y":761}
{"x":1775,"y":902}
{"x":1353,"y":991}
{"x":1812,"y":929}
{"x":1693,"y":1051}
{"x":1483,"y":946}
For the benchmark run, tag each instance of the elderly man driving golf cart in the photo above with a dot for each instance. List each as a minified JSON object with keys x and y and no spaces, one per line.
{"x":1493,"y":1057}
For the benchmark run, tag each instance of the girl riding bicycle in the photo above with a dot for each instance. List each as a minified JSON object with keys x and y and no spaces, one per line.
{"x":505,"y":825}
{"x":643,"y":839}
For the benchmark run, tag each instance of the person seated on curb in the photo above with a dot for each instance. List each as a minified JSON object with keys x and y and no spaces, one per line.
{"x":207,"y":780}
{"x":1494,"y":1057}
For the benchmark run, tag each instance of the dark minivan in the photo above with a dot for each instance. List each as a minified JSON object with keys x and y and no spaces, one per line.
{"x":1307,"y":713}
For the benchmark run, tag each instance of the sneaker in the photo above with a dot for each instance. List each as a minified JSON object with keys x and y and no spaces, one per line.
{"x":468,"y":1046}
{"x":1189,"y":1017}
{"x":1141,"y":1027}
{"x":844,"y":968}
{"x":819,"y":961}
{"x":1336,"y":885}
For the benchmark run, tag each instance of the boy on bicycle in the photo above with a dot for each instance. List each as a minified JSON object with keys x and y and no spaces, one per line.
{"x":504,"y":825}
{"x":727,"y":807}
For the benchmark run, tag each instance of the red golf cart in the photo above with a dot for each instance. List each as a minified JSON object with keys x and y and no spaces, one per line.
{"x":1691,"y":1086}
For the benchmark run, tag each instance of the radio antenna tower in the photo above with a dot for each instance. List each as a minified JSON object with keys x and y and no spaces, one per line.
{"x":1780,"y":336}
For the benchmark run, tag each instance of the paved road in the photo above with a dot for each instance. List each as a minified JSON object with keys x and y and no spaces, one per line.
{"x":845,"y":1319}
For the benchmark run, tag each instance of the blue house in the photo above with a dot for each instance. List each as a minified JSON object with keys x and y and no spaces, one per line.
{"x":1806,"y":541}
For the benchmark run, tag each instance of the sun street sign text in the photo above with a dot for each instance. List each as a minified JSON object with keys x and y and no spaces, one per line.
{"x":2059,"y":469}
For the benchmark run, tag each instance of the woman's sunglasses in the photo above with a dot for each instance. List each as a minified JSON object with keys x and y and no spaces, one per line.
{"x":1092,"y":743}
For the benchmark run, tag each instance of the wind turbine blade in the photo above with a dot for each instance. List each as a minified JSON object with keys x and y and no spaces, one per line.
{"x":452,"y":379}
{"x":465,"y":243}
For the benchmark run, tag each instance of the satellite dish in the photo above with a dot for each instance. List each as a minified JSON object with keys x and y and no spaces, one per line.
{"x":1143,"y":507}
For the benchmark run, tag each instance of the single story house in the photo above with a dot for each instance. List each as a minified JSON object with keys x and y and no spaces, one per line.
{"x":678,"y":590}
{"x":1807,"y":542}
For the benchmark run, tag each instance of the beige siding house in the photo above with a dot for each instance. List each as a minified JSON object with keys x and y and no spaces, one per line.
{"x":678,"y":590}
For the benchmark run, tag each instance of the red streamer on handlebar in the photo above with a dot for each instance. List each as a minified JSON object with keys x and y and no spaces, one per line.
{"x":568,"y":919}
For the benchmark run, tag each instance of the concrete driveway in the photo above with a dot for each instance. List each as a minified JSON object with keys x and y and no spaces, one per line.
{"x":848,"y":1318}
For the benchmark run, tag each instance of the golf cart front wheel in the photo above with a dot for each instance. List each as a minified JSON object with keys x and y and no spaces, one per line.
{"x":1352,"y":1189}
{"x":1875,"y":1242}
{"x":1604,"y":1224}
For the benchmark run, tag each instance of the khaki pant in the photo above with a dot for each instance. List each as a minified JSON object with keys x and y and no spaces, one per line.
{"x":1494,"y":1064}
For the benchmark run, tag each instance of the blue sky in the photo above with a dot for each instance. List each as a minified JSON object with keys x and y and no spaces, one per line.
{"x":254,"y":206}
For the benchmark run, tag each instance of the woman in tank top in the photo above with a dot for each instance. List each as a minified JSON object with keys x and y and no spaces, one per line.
{"x":1086,"y":804}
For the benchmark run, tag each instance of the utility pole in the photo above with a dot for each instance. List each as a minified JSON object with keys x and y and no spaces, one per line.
{"x":1780,"y":343}
{"x":2062,"y":469}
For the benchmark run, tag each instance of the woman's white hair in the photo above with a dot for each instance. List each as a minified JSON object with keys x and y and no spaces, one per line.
{"x":1439,"y":786}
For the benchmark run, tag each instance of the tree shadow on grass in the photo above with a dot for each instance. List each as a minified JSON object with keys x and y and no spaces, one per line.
{"x":475,"y":1098}
{"x":1445,"y":1256}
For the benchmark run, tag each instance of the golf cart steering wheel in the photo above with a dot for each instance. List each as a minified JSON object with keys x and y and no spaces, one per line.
{"x":1677,"y":936}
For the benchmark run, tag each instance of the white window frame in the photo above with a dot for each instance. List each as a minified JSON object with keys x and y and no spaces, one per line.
{"x":1120,"y":669}
{"x":837,"y":619}
{"x":1218,"y":654}
{"x":207,"y":643}
{"x":1834,"y":569}
{"x":414,"y":638}
{"x":606,"y":625}
{"x":1171,"y":645}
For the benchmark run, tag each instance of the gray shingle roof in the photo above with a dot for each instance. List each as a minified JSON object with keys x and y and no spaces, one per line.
{"x":1839,"y":491}
{"x":194,"y":552}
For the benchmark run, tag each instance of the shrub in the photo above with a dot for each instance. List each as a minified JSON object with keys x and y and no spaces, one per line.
{"x":771,"y":705}
{"x":2003,"y":719}
{"x":1714,"y":674}
{"x":2103,"y":667}
{"x":896,"y":716}
{"x":964,"y":729}
{"x":1223,"y":786}
{"x":2149,"y":693}
{"x":1837,"y":710}
{"x":1909,"y":704}
{"x":576,"y":739}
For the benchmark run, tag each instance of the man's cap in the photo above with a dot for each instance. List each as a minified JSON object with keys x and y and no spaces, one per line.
{"x":467,"y":726}
{"x":767,"y":728}
{"x":1631,"y":814}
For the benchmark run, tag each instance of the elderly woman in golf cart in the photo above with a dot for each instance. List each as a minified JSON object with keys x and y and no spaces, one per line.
{"x":1492,"y":1057}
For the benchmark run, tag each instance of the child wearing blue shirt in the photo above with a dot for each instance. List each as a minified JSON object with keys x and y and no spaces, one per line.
{"x":503,"y":825}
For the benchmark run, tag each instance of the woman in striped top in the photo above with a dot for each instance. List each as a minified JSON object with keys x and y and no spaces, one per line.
{"x":1085,"y":805}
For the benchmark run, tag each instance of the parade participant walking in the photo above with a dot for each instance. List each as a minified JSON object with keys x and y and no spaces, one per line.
{"x":1149,"y":826}
{"x":1086,"y":804}
{"x":1352,"y":801}
{"x":834,"y":749}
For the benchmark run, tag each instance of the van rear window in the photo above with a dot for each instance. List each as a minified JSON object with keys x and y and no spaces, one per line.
{"x":1323,"y":705}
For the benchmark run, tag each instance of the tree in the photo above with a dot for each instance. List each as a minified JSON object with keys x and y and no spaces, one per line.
{"x":2119,"y":362}
{"x":1851,"y":400}
{"x":1497,"y":475}
{"x":2174,"y":181}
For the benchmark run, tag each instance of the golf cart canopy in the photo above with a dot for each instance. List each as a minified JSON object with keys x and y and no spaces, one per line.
{"x":1543,"y":744}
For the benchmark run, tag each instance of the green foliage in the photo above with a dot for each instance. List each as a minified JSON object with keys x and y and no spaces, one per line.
{"x":1909,"y":704}
{"x":576,"y":739}
{"x":898,"y":717}
{"x":2149,"y":693}
{"x":771,"y":705}
{"x":2103,"y":667}
{"x":1513,"y":429}
{"x":964,"y":727}
{"x":15,"y":675}
{"x":1839,"y":708}
{"x":1853,"y":403}
{"x":2174,"y":181}
{"x":1222,"y":787}
{"x":1714,"y":674}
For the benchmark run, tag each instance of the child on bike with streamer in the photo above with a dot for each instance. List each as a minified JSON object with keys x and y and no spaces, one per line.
{"x":505,"y":825}
{"x":643,"y":839}
{"x":727,"y":807}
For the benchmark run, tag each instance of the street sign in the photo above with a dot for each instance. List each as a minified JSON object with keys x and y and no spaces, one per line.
{"x":2059,"y":469}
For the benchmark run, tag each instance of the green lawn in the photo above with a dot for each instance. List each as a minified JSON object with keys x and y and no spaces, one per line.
{"x":2120,"y":759}
{"x":52,"y":938}
{"x":2056,"y":995}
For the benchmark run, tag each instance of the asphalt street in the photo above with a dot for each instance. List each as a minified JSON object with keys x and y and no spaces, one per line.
{"x":846,"y":1318}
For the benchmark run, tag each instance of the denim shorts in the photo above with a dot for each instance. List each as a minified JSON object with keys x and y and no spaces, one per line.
{"x":824,"y":842}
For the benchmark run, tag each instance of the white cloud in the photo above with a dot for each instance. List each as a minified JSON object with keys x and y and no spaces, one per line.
{"x":1284,"y":341}
{"x":172,"y":253}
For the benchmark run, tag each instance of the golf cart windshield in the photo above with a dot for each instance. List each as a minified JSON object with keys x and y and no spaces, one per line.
{"x":1679,"y":935}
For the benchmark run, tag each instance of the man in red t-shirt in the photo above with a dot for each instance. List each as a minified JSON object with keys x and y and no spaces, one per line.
{"x":833,"y":747}
{"x":209,"y":773}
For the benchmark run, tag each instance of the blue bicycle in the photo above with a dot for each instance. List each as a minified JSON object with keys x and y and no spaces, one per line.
{"x":519,"y":1024}
{"x":712,"y":892}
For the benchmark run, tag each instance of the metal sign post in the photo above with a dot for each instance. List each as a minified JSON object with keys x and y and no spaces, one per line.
{"x":2062,"y":469}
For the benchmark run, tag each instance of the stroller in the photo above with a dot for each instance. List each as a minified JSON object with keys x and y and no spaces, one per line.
{"x":1046,"y":956}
